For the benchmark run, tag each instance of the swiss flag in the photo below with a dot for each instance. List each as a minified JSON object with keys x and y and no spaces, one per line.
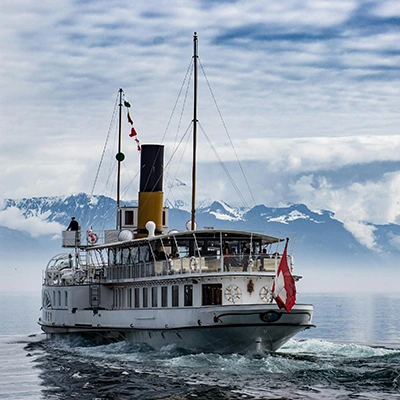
{"x":284,"y":288}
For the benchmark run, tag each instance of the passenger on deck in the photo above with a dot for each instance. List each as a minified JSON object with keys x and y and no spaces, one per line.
{"x":160,"y":254}
{"x":235,"y":262}
{"x":261,"y":257}
{"x":170,"y":264}
{"x":73,"y":225}
{"x":246,"y":256}
{"x":227,"y":260}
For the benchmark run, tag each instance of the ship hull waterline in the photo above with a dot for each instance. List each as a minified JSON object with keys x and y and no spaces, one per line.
{"x":233,"y":330}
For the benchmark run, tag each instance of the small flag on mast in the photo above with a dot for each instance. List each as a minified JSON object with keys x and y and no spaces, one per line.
{"x":284,"y":288}
{"x":129,"y":118}
{"x":133,"y":131}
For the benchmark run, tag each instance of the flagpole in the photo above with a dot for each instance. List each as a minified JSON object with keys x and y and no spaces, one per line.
{"x":119,"y":159}
{"x":195,"y":56}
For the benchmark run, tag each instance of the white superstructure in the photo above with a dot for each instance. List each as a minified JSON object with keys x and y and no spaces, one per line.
{"x":176,"y":288}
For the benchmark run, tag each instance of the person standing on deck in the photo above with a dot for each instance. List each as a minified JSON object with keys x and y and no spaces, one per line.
{"x":246,"y":256}
{"x":262,"y":255}
{"x":73,"y":225}
{"x":227,"y":261}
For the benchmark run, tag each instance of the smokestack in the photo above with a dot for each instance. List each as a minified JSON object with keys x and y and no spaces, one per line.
{"x":151,"y":188}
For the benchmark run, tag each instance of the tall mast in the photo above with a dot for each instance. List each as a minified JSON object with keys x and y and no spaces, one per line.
{"x":120,"y":157}
{"x":195,"y":57}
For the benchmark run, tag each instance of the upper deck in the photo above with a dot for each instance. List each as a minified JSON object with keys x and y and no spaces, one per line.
{"x":174,"y":254}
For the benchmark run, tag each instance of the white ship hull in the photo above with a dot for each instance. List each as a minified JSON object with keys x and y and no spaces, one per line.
{"x":252,"y":324}
{"x":232,"y":330}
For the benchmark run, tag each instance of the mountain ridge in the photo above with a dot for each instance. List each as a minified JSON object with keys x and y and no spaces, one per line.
{"x":36,"y":223}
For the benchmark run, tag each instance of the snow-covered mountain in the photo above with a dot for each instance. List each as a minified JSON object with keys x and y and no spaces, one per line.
{"x":32,"y":226}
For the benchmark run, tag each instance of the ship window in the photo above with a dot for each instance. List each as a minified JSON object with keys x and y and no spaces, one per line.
{"x":59,"y":299}
{"x":66,"y":299}
{"x":130,"y":298}
{"x":163,"y":218}
{"x":154,"y":297}
{"x":164,"y":296}
{"x":129,"y":217}
{"x":188,"y":295}
{"x":212,"y":294}
{"x":120,"y":298}
{"x":116,"y":298}
{"x":175,"y":296}
{"x":137,"y":304}
{"x":145,"y":297}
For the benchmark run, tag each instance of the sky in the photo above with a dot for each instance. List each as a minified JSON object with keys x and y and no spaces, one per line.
{"x":308,"y":92}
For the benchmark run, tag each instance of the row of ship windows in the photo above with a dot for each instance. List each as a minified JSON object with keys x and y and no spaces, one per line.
{"x":166,"y":296}
{"x":59,"y":299}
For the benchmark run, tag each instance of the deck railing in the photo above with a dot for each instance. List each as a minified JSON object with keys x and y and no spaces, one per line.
{"x":190,"y":265}
{"x":63,"y":272}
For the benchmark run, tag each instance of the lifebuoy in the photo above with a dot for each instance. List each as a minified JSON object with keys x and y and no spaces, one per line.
{"x":92,"y":237}
{"x":233,"y":293}
{"x":193,"y":263}
{"x":266,"y":294}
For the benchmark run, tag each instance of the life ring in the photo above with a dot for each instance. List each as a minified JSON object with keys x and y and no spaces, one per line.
{"x":233,"y":293}
{"x":266,"y":295}
{"x":92,"y":237}
{"x":193,"y":263}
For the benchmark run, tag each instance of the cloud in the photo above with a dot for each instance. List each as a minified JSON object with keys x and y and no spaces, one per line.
{"x":394,"y":240}
{"x":373,"y":201}
{"x":36,"y":226}
{"x":308,"y":92}
{"x":362,"y":232}
{"x":308,"y":154}
{"x":357,"y":205}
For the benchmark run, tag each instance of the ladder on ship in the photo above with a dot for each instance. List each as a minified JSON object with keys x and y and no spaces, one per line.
{"x":94,"y":296}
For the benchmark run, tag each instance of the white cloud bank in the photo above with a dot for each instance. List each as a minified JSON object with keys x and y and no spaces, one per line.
{"x":36,"y":226}
{"x":356,"y":205}
{"x":305,"y":89}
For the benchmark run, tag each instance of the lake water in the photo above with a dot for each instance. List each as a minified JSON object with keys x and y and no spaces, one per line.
{"x":353,"y":353}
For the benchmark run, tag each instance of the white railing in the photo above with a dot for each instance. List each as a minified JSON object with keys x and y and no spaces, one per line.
{"x":82,"y":238}
{"x":66,"y":269}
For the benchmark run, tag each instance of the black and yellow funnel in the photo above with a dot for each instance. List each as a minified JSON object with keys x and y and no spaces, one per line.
{"x":151,"y":188}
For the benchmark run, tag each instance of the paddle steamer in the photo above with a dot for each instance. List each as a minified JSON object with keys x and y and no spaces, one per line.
{"x":205,"y":290}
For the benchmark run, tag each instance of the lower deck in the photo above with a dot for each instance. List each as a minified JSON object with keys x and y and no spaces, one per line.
{"x":194,"y":290}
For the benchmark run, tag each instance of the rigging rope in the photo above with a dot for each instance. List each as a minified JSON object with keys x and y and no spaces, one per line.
{"x":224,"y":167}
{"x":176,"y":102}
{"x":186,"y":80}
{"x":173,"y":179}
{"x":112,"y":123}
{"x":234,"y":151}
